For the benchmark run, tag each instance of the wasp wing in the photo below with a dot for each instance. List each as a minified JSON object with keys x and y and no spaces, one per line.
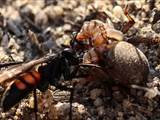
{"x":11,"y":73}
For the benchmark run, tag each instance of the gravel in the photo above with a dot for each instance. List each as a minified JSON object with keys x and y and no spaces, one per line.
{"x":52,"y":22}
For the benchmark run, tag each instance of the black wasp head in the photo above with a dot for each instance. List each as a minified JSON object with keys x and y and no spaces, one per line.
{"x":77,"y":45}
{"x":70,"y":55}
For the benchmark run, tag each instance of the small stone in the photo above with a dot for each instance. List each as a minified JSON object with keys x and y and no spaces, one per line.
{"x":13,"y":26}
{"x":139,"y":116}
{"x":41,"y":18}
{"x":140,"y":93}
{"x":61,"y":110}
{"x":155,"y":16}
{"x":89,"y":119}
{"x":118,"y":12}
{"x":101,"y":111}
{"x":95,"y":93}
{"x":81,"y":109}
{"x":132,"y":118}
{"x":138,"y":4}
{"x":19,"y":112}
{"x":120,"y":114}
{"x":15,"y":117}
{"x":53,"y":11}
{"x":117,"y":95}
{"x":93,"y":111}
{"x":67,"y":27}
{"x":3,"y":115}
{"x":47,"y":45}
{"x":156,"y":27}
{"x":31,"y":102}
{"x":126,"y":104}
{"x":152,"y":71}
{"x":98,"y":102}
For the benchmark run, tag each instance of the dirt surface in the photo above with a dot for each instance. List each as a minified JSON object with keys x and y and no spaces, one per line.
{"x":30,"y":29}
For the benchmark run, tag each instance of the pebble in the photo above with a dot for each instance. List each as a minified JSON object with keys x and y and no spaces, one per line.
{"x":98,"y":102}
{"x":53,"y":11}
{"x":89,"y":119}
{"x":67,"y":27}
{"x":15,"y":117}
{"x":61,"y":110}
{"x":93,"y":111}
{"x":156,"y":27}
{"x":19,"y":112}
{"x":126,"y":104}
{"x":3,"y":115}
{"x":153,"y":71}
{"x":81,"y":108}
{"x":155,"y":16}
{"x":95,"y":93}
{"x":139,"y":116}
{"x":138,"y":4}
{"x":41,"y":18}
{"x":120,"y":114}
{"x":31,"y":102}
{"x":26,"y":11}
{"x":14,"y":27}
{"x":118,"y":12}
{"x":157,"y":67}
{"x":132,"y":118}
{"x":47,"y":45}
{"x":101,"y":111}
{"x":117,"y":95}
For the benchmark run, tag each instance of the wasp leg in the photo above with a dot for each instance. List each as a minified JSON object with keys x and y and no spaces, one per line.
{"x":130,"y":22}
{"x":71,"y":101}
{"x":35,"y":104}
{"x":9,"y":64}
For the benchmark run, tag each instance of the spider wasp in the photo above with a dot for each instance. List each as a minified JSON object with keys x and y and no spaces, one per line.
{"x":25,"y":78}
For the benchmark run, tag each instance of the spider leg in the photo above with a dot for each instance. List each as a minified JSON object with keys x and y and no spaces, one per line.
{"x":130,"y":22}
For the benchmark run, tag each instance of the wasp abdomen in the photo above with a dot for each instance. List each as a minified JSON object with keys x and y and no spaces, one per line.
{"x":27,"y":79}
{"x":19,"y":89}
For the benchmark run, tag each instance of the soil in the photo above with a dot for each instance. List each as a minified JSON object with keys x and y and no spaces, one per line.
{"x":29,"y":29}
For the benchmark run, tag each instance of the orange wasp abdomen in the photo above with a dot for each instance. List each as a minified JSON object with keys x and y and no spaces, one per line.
{"x":19,"y":88}
{"x":27,"y":79}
